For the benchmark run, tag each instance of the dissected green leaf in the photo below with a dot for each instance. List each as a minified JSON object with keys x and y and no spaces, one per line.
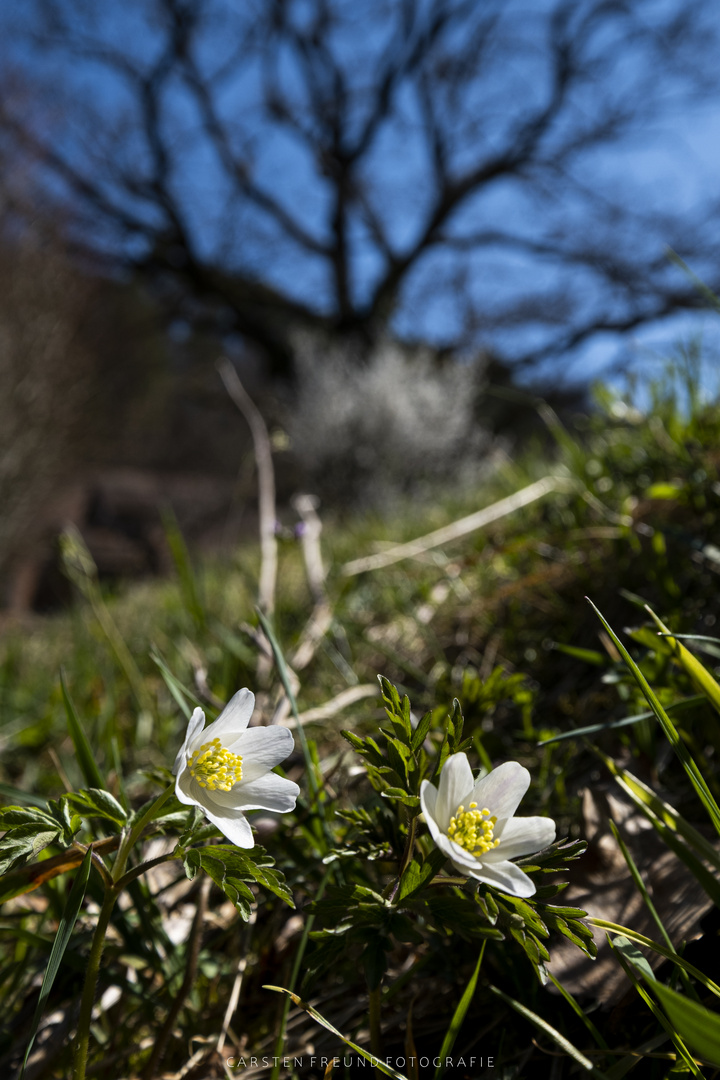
{"x":400,"y":796}
{"x":231,"y":869}
{"x":25,"y":842}
{"x":29,"y":831}
{"x":421,"y":731}
{"x":418,"y":874}
{"x":93,"y":802}
{"x":456,"y":914}
{"x":15,"y":817}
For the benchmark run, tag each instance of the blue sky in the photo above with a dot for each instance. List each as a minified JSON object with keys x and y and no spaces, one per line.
{"x":669,"y":164}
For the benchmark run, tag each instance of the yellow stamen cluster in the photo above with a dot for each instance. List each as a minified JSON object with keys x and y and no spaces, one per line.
{"x":214,"y":767}
{"x":473,"y":829}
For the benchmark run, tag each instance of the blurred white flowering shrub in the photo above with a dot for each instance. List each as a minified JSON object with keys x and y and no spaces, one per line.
{"x":365,"y":429}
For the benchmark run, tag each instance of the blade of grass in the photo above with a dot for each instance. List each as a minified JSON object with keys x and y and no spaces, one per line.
{"x":593,"y":729}
{"x":378,"y":1063}
{"x":698,"y":673}
{"x":680,"y":961}
{"x":693,"y":772}
{"x":21,"y":798}
{"x":284,"y":674}
{"x":698,"y":282}
{"x":81,"y":569}
{"x":459,"y":1015}
{"x":83,"y":751}
{"x":293,"y":980}
{"x":589,"y":656}
{"x":183,"y":567}
{"x":698,"y":1026}
{"x":634,"y":1057}
{"x":683,"y":839}
{"x":565,"y":1045}
{"x":710,"y":645}
{"x":632,"y":598}
{"x":176,"y":688}
{"x":645,"y":798}
{"x":117,"y":766}
{"x":67,"y":922}
{"x":411,"y":1054}
{"x":578,"y":1010}
{"x":640,"y":885}
{"x":629,"y":966}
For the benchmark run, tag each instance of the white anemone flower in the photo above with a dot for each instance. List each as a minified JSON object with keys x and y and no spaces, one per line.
{"x":225,"y":768}
{"x":473,"y":823}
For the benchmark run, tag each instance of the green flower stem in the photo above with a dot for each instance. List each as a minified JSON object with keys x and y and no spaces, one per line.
{"x":96,"y":861}
{"x":130,"y":838}
{"x":191,"y":963}
{"x":280,"y":1040}
{"x":91,"y":976}
{"x":138,"y":871}
{"x":374,"y":1018}
{"x":391,"y":891}
{"x":114,"y":887}
{"x":101,"y":868}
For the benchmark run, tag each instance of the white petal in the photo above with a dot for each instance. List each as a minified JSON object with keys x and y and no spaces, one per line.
{"x":505,"y":876}
{"x":188,"y":790}
{"x":456,"y":783}
{"x":522,"y":836}
{"x":261,"y":748}
{"x":462,"y":859}
{"x":268,"y":792}
{"x":234,"y":825}
{"x":428,"y":801}
{"x":502,"y":789}
{"x":234,"y":718}
{"x":195,"y":725}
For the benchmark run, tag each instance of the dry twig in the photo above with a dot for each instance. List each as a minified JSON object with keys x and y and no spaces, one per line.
{"x":457,"y":529}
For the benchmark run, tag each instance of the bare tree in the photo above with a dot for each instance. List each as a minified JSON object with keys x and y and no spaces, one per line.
{"x":461,"y":172}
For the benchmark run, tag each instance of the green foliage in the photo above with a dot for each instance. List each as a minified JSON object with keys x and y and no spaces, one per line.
{"x":29,"y":831}
{"x":83,"y":750}
{"x":94,"y":802}
{"x":65,"y":928}
{"x":699,"y":1027}
{"x":494,"y":620}
{"x":417,"y":903}
{"x":231,"y":869}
